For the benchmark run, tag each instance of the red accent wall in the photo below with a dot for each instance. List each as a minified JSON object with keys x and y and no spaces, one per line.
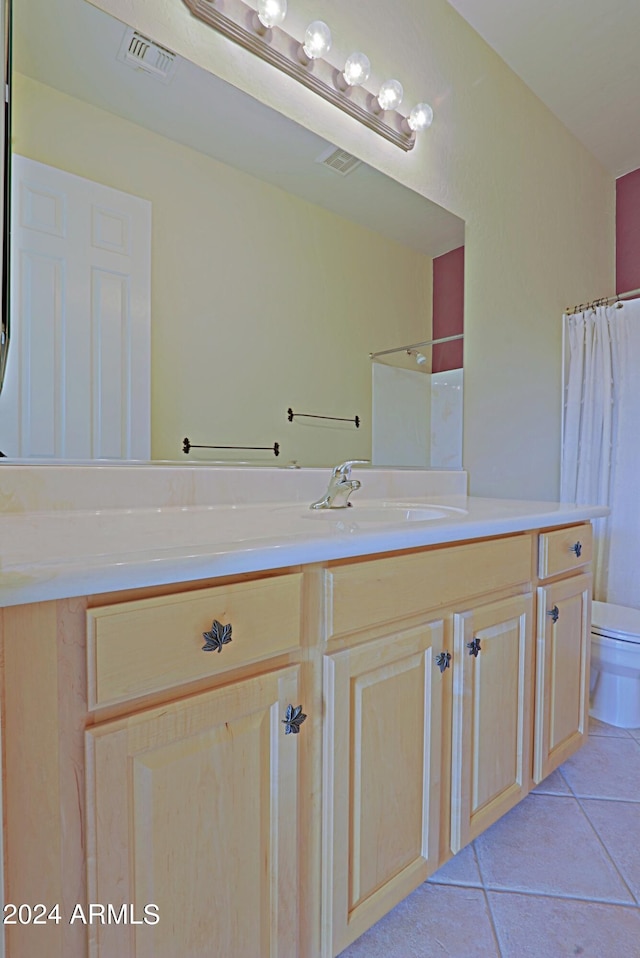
{"x":448,"y":309}
{"x":628,"y":232}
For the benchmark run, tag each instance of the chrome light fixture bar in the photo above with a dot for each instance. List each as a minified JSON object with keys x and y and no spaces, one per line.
{"x":238,"y":21}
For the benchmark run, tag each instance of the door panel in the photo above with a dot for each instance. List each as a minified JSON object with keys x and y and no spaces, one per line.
{"x":78,"y":380}
{"x":491,"y":715}
{"x":381,"y":777}
{"x":193,"y":807}
{"x":562,"y":672}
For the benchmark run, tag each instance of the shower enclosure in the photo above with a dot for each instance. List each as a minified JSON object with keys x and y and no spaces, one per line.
{"x":600,"y":438}
{"x":417,"y":405}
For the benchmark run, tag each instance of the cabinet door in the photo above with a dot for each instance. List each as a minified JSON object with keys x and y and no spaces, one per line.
{"x":381,"y":778}
{"x":193,"y":808}
{"x":562,"y":672}
{"x":491,"y":737}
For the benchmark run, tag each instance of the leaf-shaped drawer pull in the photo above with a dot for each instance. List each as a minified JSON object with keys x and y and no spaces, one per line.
{"x":217,"y":636}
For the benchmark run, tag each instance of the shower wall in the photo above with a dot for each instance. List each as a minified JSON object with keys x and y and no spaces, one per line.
{"x":623,"y":579}
{"x":401,"y":414}
{"x":446,"y":419}
{"x":417,"y":417}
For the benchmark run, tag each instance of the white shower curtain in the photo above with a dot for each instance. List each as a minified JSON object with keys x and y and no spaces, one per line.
{"x":601,"y":447}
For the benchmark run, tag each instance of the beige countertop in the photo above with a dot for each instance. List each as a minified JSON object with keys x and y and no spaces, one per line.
{"x":63,"y":552}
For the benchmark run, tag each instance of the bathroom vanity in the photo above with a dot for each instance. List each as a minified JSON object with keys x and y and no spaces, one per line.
{"x":154,"y":750}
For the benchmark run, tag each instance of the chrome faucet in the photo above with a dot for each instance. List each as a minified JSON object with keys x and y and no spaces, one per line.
{"x":341,"y":485}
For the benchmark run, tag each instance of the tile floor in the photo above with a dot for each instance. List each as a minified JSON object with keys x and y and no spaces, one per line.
{"x":558,"y":876}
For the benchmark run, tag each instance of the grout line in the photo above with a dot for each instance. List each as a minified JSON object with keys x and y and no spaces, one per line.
{"x":566,"y":781}
{"x":486,"y":899}
{"x":619,"y":732}
{"x":458,"y":883}
{"x":538,"y":794}
{"x":607,"y":852}
{"x":477,"y":861}
{"x":634,"y":901}
{"x":631,"y":905}
{"x":605,"y":798}
{"x":494,"y":928}
{"x":600,"y":798}
{"x":564,"y":896}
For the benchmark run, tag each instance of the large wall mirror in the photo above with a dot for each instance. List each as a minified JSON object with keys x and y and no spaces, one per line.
{"x":5,"y":168}
{"x":251,"y":269}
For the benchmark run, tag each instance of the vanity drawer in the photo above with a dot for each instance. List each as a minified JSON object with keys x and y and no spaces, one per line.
{"x":564,"y":549}
{"x":361,"y":595}
{"x":147,"y":645}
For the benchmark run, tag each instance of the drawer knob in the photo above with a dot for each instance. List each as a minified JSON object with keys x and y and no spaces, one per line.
{"x":218,"y":636}
{"x":554,"y":613}
{"x":443,"y":660}
{"x":294,"y":717}
{"x":577,"y":548}
{"x":474,"y":647}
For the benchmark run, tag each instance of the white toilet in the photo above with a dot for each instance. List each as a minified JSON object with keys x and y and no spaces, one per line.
{"x":615,"y":664}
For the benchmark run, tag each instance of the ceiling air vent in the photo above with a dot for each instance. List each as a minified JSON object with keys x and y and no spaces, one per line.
{"x":338,"y":160}
{"x":141,"y":53}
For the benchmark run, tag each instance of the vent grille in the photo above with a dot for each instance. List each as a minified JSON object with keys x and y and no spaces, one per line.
{"x":139,"y":52}
{"x":338,"y":160}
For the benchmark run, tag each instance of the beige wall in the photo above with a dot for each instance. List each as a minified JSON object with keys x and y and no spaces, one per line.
{"x":260,"y":301}
{"x":539,"y":208}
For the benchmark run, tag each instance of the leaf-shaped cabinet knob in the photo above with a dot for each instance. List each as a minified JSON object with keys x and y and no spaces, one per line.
{"x":474,"y":647}
{"x":218,"y":636}
{"x":443,"y":660}
{"x":294,"y":717}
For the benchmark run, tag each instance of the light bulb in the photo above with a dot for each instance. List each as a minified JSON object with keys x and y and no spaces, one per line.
{"x":390,"y":95}
{"x":317,"y":40}
{"x":420,"y":117}
{"x":271,"y":12}
{"x":421,"y":359}
{"x":357,"y":69}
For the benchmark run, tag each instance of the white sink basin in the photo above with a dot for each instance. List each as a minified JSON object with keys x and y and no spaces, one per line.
{"x":393,"y":512}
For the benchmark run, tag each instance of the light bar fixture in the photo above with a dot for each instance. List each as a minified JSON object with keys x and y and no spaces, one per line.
{"x":259,"y":31}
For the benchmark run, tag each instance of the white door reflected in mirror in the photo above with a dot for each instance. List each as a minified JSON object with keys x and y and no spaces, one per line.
{"x":78,"y":385}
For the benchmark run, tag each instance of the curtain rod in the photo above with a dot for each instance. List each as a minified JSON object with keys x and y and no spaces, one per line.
{"x":603,"y":301}
{"x":404,"y":349}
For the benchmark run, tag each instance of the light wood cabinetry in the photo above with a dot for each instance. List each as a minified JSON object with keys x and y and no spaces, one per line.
{"x":388,"y":772}
{"x":491,"y":742}
{"x":43,"y":713}
{"x":141,"y":769}
{"x":148,"y":645}
{"x":370,"y":592}
{"x":381,"y":789}
{"x":562,"y":551}
{"x":562,"y":677}
{"x":193,"y":807}
{"x":148,"y":774}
